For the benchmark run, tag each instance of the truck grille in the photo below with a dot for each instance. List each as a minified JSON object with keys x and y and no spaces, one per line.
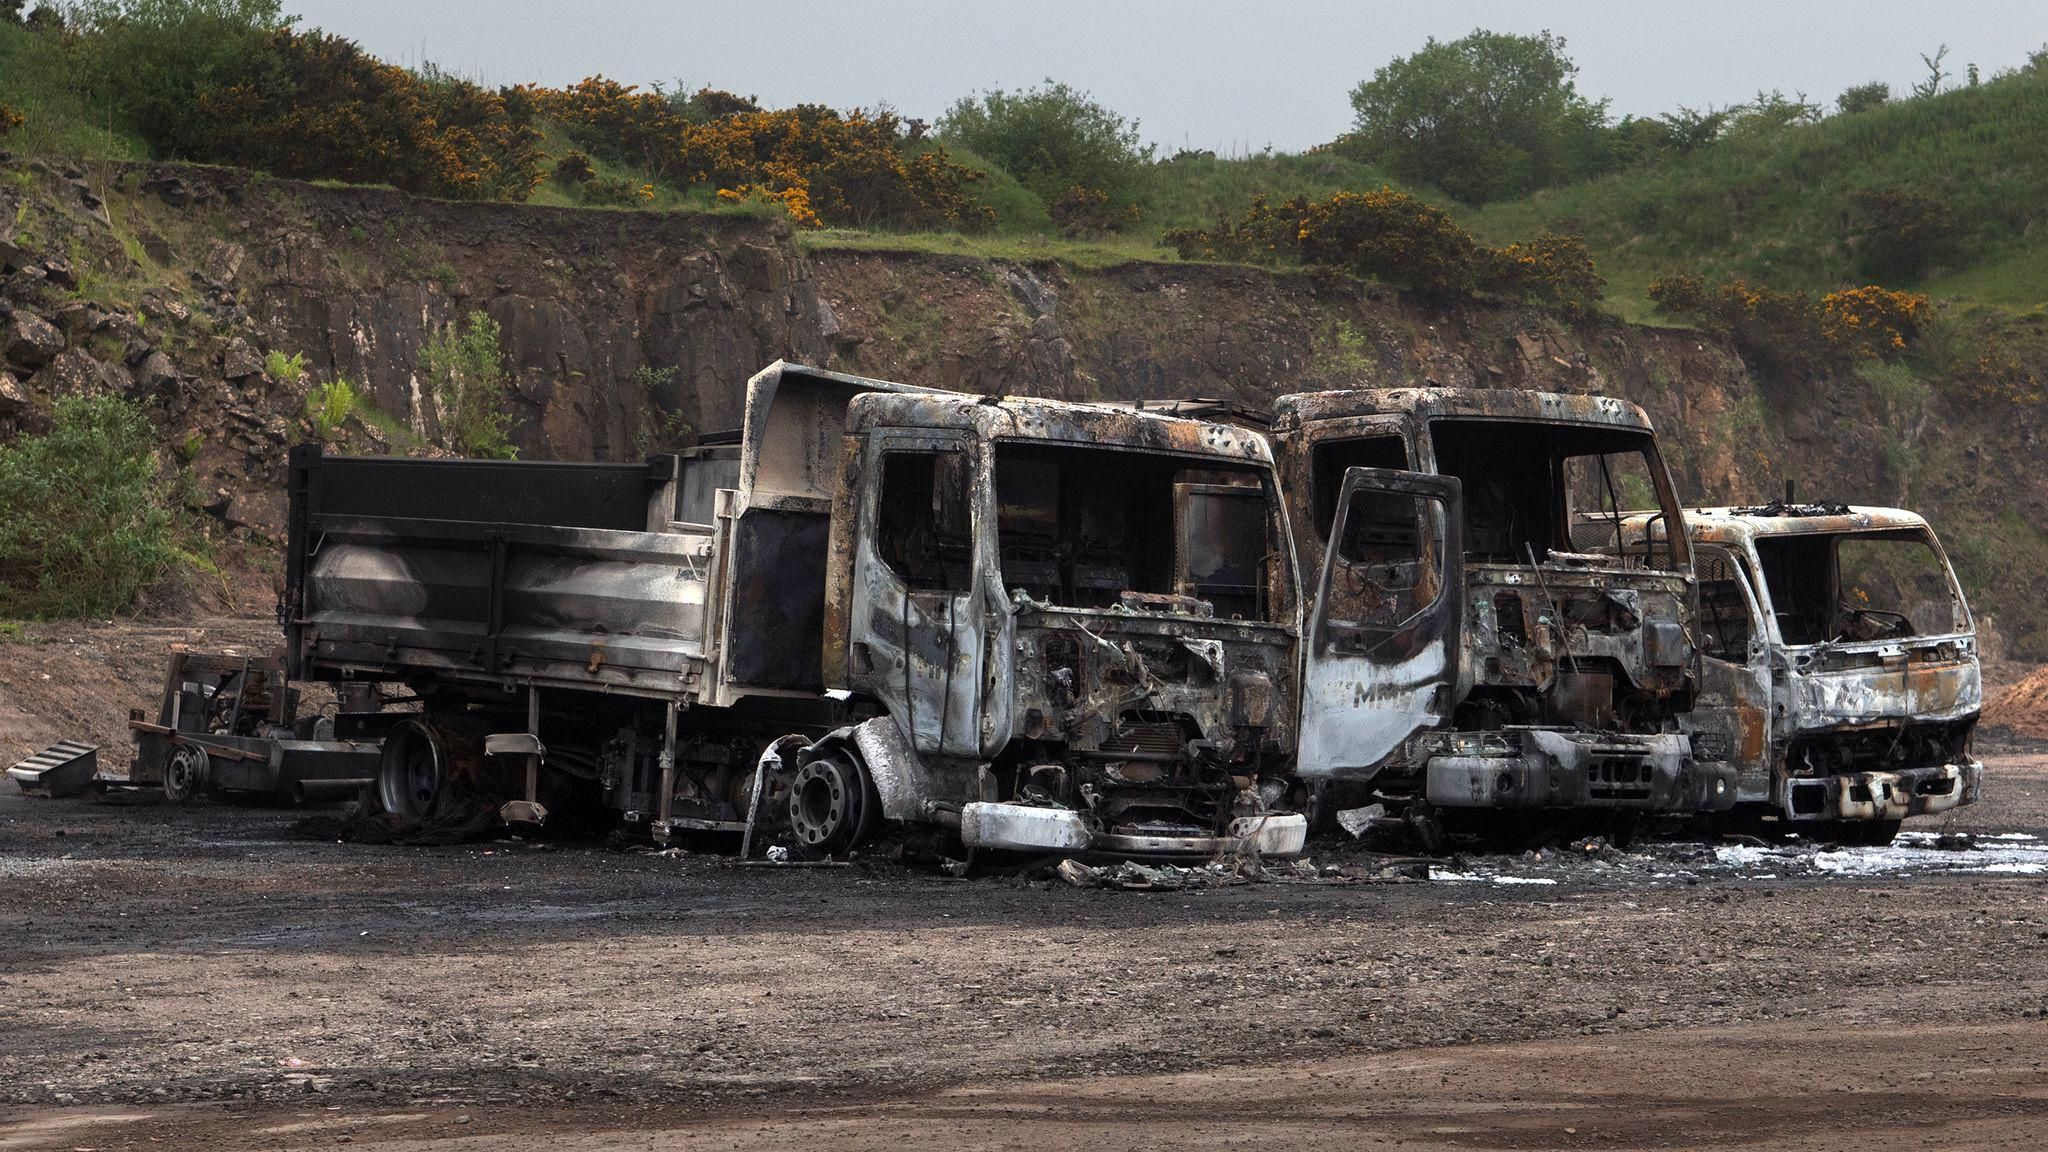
{"x":1146,"y":740}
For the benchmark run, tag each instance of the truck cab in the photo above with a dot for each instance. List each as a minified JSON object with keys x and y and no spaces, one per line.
{"x":1079,"y":620}
{"x":1838,"y":667}
{"x":1476,"y":640}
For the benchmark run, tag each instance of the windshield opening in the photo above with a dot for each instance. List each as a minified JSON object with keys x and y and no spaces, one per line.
{"x":1089,"y":527}
{"x":1330,"y":459}
{"x":1859,"y":587}
{"x":1533,"y":488}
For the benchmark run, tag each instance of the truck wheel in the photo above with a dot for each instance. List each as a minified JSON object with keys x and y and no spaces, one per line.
{"x":412,"y":773}
{"x":185,"y":773}
{"x":832,"y":805}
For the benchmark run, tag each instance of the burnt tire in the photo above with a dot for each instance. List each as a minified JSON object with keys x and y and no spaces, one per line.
{"x":832,"y":804}
{"x":412,"y":776}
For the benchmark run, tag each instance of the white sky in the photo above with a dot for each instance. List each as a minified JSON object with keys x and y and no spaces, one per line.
{"x":1232,"y":76}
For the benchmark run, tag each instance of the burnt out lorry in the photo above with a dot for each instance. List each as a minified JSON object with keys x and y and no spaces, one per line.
{"x":1046,"y":627}
{"x":1479,"y":651}
{"x":1838,"y":666}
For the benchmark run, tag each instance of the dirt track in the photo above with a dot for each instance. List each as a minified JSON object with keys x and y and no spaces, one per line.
{"x":198,"y":977}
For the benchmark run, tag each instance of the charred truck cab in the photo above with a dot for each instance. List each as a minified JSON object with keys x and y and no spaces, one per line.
{"x":1079,"y":622}
{"x":1052,"y":627}
{"x":1476,"y":640}
{"x":1839,"y":665}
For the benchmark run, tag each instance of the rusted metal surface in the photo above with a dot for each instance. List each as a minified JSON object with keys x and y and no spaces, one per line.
{"x":1850,"y":726}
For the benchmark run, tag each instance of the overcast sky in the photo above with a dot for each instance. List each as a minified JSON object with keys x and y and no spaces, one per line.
{"x":1232,"y":76}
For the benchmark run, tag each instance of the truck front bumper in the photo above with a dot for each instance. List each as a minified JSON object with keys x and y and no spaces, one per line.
{"x":1567,"y":769}
{"x":1883,"y":795}
{"x":1024,"y":828}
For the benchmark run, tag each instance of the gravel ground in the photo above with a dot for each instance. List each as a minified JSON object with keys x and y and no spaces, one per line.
{"x":203,"y":977}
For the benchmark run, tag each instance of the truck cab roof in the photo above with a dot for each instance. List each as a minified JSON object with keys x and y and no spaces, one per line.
{"x":1301,"y":408}
{"x":1737,"y":525}
{"x":1023,"y":417}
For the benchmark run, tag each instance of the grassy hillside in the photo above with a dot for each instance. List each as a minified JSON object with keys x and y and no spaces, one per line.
{"x":60,"y":117}
{"x":1780,"y":208}
{"x":1783,"y":206}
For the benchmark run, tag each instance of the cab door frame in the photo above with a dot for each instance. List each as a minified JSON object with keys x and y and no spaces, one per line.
{"x":926,"y":653}
{"x":1367,"y":687}
{"x":1734,"y":697}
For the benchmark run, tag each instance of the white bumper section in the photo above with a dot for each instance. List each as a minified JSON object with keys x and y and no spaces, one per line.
{"x":1022,"y":828}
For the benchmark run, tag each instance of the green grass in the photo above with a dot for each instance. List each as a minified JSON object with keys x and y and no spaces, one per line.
{"x":1199,"y":189}
{"x":1776,"y":208}
{"x":63,"y":119}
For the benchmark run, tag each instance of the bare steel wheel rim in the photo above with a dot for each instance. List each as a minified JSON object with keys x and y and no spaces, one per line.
{"x":411,"y":775}
{"x":185,"y":771}
{"x":828,"y":805}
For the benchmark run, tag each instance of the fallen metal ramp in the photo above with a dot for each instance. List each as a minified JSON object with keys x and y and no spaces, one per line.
{"x":65,"y":768}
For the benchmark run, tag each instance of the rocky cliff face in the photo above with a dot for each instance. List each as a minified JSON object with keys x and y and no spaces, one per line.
{"x":169,"y":284}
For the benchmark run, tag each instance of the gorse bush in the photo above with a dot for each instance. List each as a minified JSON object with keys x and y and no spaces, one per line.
{"x":232,"y":82}
{"x":464,"y":367}
{"x":1872,"y":323}
{"x":315,"y":105}
{"x":856,"y":169}
{"x":1552,"y":270}
{"x":1392,"y":236}
{"x":574,"y":168}
{"x":85,"y":522}
{"x":1796,"y":334}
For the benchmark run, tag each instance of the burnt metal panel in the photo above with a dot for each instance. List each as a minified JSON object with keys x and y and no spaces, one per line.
{"x":778,"y":599}
{"x":560,"y":495}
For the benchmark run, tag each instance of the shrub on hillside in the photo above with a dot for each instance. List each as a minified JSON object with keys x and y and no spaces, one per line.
{"x":1793,"y":333}
{"x":1393,"y":236}
{"x":464,"y":367}
{"x":157,"y":60}
{"x":1863,"y":97}
{"x":1552,"y":271}
{"x":1089,"y":211}
{"x":10,"y":119}
{"x":1900,"y":232}
{"x":1485,"y":117}
{"x":1085,"y":162}
{"x":1770,"y":113}
{"x":1654,"y":139}
{"x":85,"y":522}
{"x":1871,"y":322}
{"x":1266,"y":233}
{"x":574,"y":168}
{"x":2000,"y":376}
{"x":853,"y":168}
{"x":317,"y":106}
